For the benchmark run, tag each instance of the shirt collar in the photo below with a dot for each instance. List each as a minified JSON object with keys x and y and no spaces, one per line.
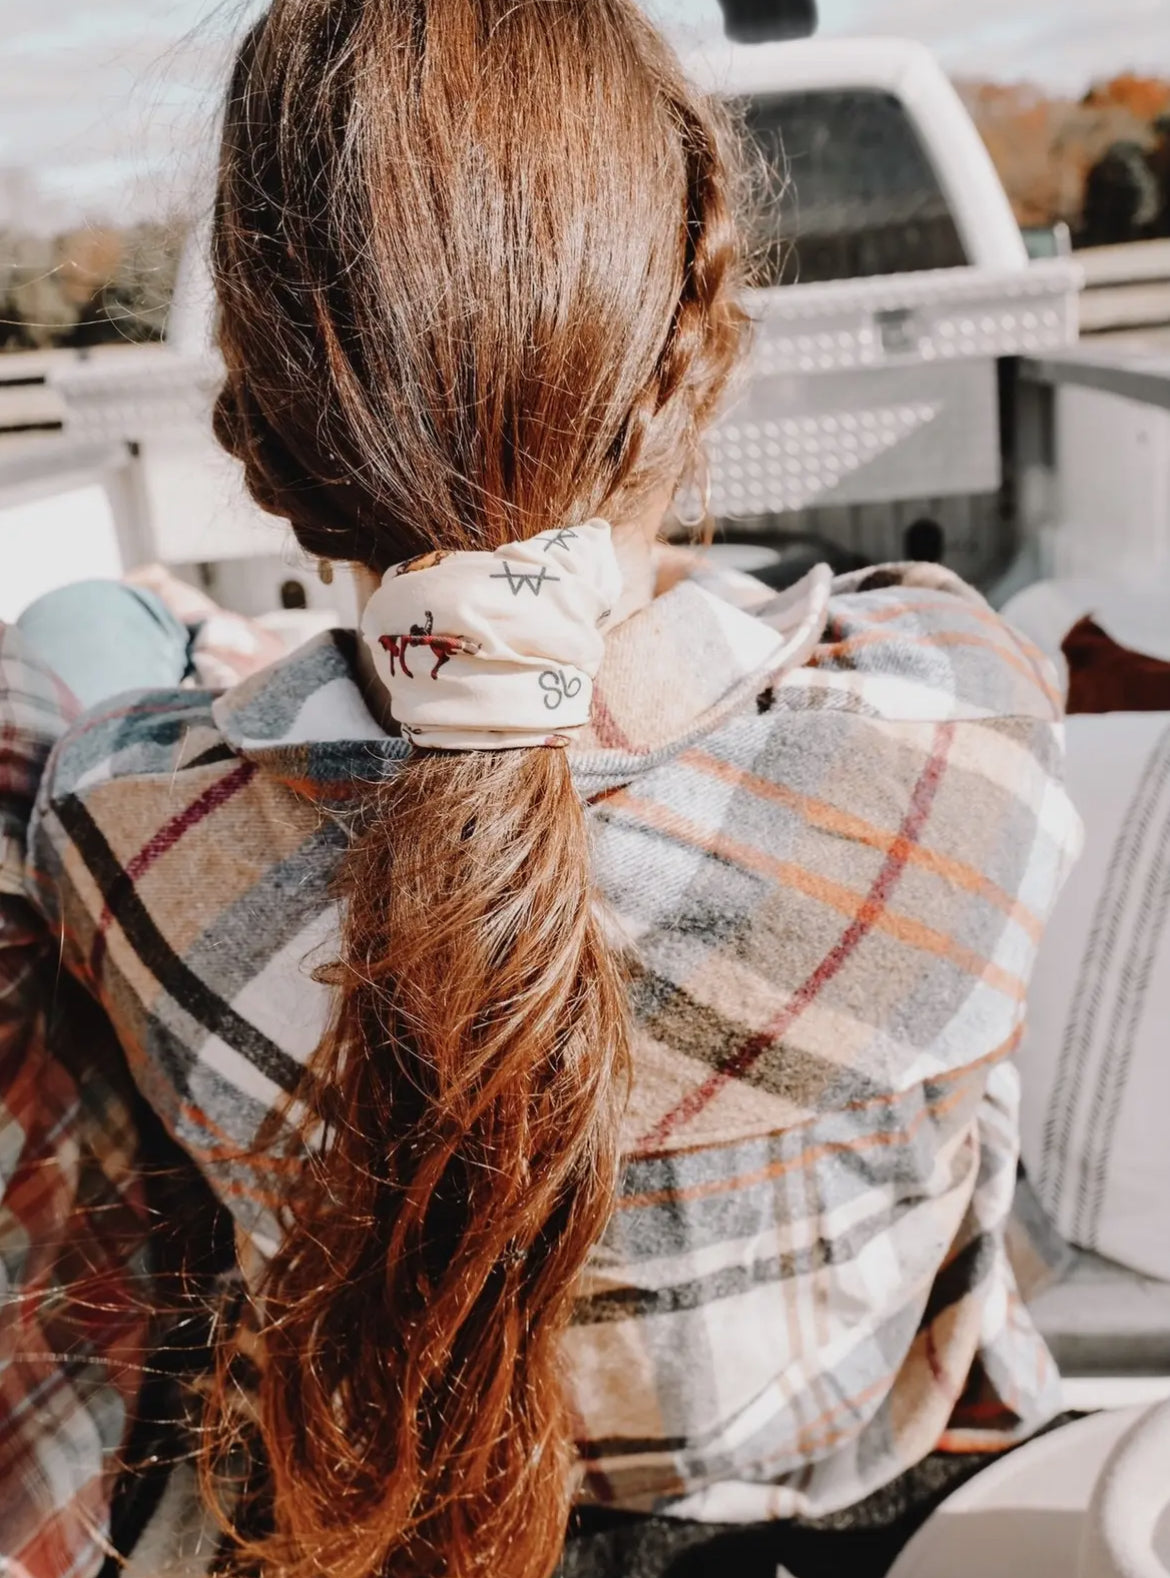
{"x":671,"y":673}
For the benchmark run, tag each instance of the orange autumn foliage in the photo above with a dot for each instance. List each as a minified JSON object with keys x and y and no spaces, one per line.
{"x":1145,"y":97}
{"x":1044,"y":147}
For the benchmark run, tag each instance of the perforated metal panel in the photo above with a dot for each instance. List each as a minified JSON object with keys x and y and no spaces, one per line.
{"x":940,"y":315}
{"x":878,"y":392}
{"x":132,"y":395}
{"x":863,"y":404}
{"x":189,"y":494}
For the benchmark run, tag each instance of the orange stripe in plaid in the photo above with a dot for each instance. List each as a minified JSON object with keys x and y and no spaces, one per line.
{"x":815,"y":1437}
{"x":874,"y":906}
{"x":938,"y":638}
{"x":228,"y":1150}
{"x":944,"y":603}
{"x":833,"y":820}
{"x":236,"y":1189}
{"x":904,"y":928}
{"x":815,"y":1153}
{"x":811,"y":1439}
{"x":985,"y":616}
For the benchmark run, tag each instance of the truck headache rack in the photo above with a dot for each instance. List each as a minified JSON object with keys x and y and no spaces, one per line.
{"x":764,"y":21}
{"x":899,"y":397}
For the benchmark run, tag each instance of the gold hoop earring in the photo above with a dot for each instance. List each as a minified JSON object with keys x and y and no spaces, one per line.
{"x":698,"y":481}
{"x":325,"y":571}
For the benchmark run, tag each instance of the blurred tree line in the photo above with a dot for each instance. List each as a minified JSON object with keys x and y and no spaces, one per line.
{"x":1100,"y":164}
{"x":97,"y":285}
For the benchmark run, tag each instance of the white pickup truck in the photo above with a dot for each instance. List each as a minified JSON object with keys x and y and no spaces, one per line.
{"x":896,"y":296}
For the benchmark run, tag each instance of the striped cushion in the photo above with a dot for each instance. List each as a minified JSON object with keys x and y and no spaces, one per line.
{"x":1096,"y":1062}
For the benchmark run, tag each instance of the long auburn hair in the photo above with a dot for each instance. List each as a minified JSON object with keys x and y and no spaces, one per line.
{"x":475,"y":265}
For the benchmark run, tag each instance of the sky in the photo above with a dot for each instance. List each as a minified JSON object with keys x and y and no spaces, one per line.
{"x":109,"y":104}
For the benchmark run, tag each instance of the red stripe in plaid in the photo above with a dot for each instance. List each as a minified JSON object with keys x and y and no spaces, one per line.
{"x":876,"y":900}
{"x":967,"y":1077}
{"x":870,"y":1170}
{"x":835,"y":820}
{"x":165,"y":839}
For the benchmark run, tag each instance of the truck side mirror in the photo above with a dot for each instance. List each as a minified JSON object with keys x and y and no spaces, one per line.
{"x":763,"y":21}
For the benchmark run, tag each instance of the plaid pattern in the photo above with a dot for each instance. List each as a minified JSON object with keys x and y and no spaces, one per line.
{"x":73,"y":1216}
{"x":828,"y":829}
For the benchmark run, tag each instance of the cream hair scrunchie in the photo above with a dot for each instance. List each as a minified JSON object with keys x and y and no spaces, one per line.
{"x":495,"y":651}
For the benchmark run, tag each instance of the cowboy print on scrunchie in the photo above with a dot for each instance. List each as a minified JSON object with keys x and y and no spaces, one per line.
{"x":496,"y":651}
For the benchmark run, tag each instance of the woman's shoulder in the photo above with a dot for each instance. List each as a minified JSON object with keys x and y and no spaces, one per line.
{"x":123,"y":773}
{"x":914,"y":642}
{"x":141,"y":734}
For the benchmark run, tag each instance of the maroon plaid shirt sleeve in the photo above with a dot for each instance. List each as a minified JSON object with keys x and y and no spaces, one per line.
{"x":72,"y":1213}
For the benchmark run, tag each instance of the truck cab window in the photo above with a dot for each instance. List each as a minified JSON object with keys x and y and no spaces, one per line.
{"x":851,"y":192}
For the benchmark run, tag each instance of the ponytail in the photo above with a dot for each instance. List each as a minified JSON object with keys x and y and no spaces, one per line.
{"x":409,"y":1398}
{"x":475,"y":267}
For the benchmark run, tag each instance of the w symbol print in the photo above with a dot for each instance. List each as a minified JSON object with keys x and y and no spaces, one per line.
{"x":525,"y":580}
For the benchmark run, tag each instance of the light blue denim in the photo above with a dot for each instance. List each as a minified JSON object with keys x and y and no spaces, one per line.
{"x":103,"y":638}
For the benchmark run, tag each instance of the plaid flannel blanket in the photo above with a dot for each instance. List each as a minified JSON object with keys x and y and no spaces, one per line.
{"x":75,"y":1286}
{"x":828,"y":828}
